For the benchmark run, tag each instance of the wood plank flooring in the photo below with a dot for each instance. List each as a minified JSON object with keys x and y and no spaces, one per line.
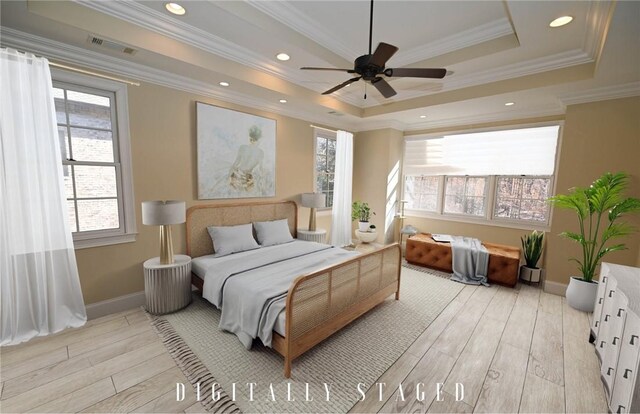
{"x":512,"y":349}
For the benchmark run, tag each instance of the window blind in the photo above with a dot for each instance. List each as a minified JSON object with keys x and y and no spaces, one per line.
{"x":527,"y":151}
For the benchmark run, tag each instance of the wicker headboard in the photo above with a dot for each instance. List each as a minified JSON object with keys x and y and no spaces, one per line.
{"x":200,"y":217}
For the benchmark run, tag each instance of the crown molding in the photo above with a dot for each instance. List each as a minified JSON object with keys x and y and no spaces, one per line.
{"x":305,"y":25}
{"x":604,"y":93}
{"x":86,"y":58}
{"x":466,"y":38}
{"x":597,"y":25}
{"x":371,"y":125}
{"x":486,"y":118}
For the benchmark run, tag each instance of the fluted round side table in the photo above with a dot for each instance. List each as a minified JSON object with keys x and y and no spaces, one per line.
{"x":318,"y":236}
{"x":167,"y":287}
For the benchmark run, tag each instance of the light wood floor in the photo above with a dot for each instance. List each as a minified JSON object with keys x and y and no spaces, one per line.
{"x":513,"y":350}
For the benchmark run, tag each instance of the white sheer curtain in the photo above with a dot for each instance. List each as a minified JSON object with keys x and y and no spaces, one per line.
{"x":39,"y":285}
{"x":343,"y":181}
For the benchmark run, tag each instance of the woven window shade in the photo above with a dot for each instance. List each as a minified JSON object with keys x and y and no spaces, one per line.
{"x":528,"y":151}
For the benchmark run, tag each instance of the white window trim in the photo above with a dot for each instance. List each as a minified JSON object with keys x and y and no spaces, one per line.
{"x":129,"y":231}
{"x":488,"y":219}
{"x":316,"y":132}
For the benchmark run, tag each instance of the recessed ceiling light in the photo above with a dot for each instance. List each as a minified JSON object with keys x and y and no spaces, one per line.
{"x":283,"y":101}
{"x":175,"y":8}
{"x":509,"y":104}
{"x":224,"y":83}
{"x":283,"y":56}
{"x":423,"y":116}
{"x":561,"y":21}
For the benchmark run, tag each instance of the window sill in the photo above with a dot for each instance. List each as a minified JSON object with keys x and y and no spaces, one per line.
{"x":482,"y":221}
{"x":87,"y":243}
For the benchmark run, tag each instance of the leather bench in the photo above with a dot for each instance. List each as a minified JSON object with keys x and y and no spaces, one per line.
{"x":504,"y":261}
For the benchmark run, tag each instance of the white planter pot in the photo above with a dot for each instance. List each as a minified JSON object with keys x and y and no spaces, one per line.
{"x":363,"y":225}
{"x":530,"y":274}
{"x":581,"y":295}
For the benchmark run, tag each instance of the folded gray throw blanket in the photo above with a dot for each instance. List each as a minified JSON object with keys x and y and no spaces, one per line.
{"x":470,"y":260}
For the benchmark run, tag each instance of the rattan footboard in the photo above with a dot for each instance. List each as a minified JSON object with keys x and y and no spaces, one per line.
{"x":322,"y":303}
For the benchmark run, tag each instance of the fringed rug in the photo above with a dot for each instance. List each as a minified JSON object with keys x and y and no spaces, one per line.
{"x":358,"y":354}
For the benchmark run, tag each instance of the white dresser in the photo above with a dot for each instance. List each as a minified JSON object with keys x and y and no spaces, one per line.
{"x":615,"y":330}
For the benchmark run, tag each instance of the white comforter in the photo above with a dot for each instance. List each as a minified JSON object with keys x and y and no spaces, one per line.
{"x":251,"y":288}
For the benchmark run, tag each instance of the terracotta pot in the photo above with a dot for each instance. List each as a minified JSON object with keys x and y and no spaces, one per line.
{"x":581,"y":295}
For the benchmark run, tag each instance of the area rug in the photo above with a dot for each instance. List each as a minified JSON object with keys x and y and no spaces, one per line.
{"x":327,"y":378}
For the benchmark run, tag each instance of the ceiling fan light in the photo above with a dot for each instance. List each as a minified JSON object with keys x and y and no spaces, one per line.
{"x":561,"y":21}
{"x":175,"y":8}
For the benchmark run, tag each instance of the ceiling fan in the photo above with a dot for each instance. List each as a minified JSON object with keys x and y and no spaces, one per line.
{"x":370,"y":68}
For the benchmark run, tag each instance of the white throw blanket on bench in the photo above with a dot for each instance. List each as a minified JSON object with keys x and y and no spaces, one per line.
{"x":470,"y":260}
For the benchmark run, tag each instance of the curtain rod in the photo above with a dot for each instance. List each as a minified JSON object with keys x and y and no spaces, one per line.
{"x":88,"y":72}
{"x":326,"y":129}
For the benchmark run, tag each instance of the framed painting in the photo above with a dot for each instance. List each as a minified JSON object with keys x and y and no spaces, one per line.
{"x":236,"y":154}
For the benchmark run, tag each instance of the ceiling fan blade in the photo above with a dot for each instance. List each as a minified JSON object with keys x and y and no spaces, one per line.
{"x":416,"y":73}
{"x":385,"y":89}
{"x":383,"y":52}
{"x":342,"y":85}
{"x":339,"y":70}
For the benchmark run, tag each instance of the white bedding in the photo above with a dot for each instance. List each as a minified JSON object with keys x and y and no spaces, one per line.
{"x":250,"y":287}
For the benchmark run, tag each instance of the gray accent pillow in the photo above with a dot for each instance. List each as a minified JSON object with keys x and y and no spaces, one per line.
{"x":232,"y":239}
{"x":274,"y":232}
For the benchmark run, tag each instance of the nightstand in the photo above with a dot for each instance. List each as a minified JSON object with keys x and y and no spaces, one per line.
{"x":318,"y":236}
{"x":167,"y":287}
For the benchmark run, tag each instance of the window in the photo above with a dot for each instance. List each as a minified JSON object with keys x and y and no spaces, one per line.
{"x":325,"y":163}
{"x":465,"y":195}
{"x":97,"y":182}
{"x":421,"y":192}
{"x":522,"y":198}
{"x":499,"y":176}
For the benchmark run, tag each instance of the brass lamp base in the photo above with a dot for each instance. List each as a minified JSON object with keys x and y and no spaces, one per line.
{"x":166,"y":245}
{"x":312,"y":219}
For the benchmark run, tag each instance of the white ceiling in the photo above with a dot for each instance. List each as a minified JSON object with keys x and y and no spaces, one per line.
{"x":498,"y":51}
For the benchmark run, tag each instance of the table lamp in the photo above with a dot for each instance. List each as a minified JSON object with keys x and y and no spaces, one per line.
{"x":313,"y":201}
{"x":164,"y":214}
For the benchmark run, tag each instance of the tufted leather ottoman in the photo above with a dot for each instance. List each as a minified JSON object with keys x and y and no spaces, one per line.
{"x":504,"y":261}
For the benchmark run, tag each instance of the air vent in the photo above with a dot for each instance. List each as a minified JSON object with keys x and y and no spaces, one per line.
{"x":335,"y":113}
{"x":111,"y":45}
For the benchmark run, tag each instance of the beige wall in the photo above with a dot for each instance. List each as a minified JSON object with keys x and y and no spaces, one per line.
{"x":377,"y":175}
{"x":598,"y":137}
{"x":163,"y":145}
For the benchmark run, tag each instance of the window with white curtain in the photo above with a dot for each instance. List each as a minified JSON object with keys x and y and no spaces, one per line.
{"x":502,"y":176}
{"x":95,"y":155}
{"x":325,"y":163}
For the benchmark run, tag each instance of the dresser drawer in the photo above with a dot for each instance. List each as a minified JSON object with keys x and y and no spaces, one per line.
{"x":627,"y":371}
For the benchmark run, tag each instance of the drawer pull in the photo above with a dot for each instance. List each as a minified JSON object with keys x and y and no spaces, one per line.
{"x":609,"y":370}
{"x":600,"y":301}
{"x":633,"y":338}
{"x":626,"y":373}
{"x":611,"y":293}
{"x":620,"y":311}
{"x":606,"y":318}
{"x":604,"y":279}
{"x":602,"y":344}
{"x":620,"y":408}
{"x":615,"y":339}
{"x":597,"y":323}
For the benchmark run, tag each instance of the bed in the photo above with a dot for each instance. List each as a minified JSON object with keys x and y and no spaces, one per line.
{"x":317,"y":304}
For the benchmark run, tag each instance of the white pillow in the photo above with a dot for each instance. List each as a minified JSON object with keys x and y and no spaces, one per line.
{"x":270,"y":233}
{"x":232,"y":239}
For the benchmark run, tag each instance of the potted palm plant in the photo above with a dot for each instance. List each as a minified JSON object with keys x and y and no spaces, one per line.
{"x":532,"y":248}
{"x":599,"y":208}
{"x":361,"y":211}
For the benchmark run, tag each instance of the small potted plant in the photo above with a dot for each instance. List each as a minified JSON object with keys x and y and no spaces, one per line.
{"x":532,"y":249}
{"x":372,"y":228}
{"x":598,"y":208}
{"x":361,"y":211}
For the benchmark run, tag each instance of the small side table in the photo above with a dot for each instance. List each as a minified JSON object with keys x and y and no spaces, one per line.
{"x":318,"y":236}
{"x":167,"y":287}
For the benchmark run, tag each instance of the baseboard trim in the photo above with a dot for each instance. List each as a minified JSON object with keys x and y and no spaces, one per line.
{"x":119,"y":304}
{"x":555,"y":288}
